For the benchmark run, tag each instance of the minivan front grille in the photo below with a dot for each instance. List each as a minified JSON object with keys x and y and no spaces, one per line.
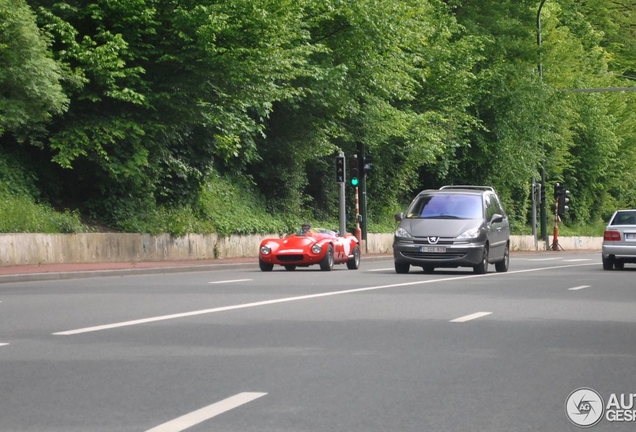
{"x":433,"y":255}
{"x":424,"y":241}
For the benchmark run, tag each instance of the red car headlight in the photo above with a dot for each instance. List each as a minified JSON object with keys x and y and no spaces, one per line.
{"x":266,"y":250}
{"x":316,"y":248}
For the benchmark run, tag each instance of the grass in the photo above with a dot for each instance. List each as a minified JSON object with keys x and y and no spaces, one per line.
{"x":21,"y":214}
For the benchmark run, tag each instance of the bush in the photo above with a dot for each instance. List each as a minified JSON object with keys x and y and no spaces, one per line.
{"x":20,"y":214}
{"x":232,"y":206}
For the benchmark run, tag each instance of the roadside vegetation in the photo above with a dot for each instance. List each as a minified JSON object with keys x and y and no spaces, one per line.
{"x":226,"y":115}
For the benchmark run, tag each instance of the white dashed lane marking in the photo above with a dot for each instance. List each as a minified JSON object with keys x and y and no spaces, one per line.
{"x":471,"y":317}
{"x":195,"y":417}
{"x":231,"y":281}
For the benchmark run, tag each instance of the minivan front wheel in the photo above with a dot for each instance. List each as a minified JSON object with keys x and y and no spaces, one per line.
{"x":402,"y":267}
{"x":482,"y":267}
{"x":502,"y":266}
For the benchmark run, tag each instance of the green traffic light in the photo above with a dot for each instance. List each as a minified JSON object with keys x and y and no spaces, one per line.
{"x":355,"y":181}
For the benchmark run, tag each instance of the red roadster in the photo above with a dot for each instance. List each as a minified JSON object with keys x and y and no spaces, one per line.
{"x":318,"y":246}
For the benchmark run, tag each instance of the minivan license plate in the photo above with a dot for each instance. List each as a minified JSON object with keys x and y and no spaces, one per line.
{"x":435,"y":249}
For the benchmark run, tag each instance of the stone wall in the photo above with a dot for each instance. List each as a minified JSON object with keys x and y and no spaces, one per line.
{"x":21,"y":249}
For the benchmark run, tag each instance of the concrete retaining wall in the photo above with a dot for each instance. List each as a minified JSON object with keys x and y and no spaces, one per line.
{"x":21,"y":249}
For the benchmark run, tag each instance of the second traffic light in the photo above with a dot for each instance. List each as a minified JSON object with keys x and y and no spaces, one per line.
{"x":359,"y":167}
{"x":354,"y":165}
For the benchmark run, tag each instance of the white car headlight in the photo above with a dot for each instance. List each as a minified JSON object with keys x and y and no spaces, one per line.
{"x":266,"y":250}
{"x":470,"y":234}
{"x":316,"y":248}
{"x":401,"y":232}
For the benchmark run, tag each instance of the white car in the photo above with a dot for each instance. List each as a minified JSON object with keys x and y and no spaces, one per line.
{"x":619,"y":240}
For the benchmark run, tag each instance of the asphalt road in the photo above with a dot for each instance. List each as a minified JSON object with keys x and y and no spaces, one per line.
{"x":358,"y":351}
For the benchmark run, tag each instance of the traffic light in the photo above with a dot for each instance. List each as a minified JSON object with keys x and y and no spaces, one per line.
{"x":366,"y":164}
{"x":562,"y":201}
{"x":354,"y":169}
{"x":561,"y":195}
{"x":541,"y":187}
{"x":340,"y":169}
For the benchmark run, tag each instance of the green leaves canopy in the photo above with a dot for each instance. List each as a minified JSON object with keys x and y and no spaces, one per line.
{"x":163,"y":92}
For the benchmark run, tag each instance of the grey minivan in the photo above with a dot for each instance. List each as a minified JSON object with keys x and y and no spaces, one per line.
{"x":454,"y":226}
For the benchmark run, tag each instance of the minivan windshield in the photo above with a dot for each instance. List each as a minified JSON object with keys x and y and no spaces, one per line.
{"x":450,"y":206}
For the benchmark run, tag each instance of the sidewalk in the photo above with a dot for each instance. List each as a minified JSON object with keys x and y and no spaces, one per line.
{"x":54,"y":271}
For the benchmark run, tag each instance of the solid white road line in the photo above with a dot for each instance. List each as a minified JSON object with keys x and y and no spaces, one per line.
{"x":578,"y":260}
{"x":384,"y":269}
{"x":299,"y":298}
{"x":578,"y":288}
{"x":471,"y":317}
{"x":230,"y":281}
{"x":3,"y":344}
{"x":195,"y":417}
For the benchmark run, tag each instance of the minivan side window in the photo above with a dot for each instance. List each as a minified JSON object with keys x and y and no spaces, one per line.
{"x":500,"y":209}
{"x":491,"y":207}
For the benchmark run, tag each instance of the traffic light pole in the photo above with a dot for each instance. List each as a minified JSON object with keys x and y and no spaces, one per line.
{"x":534,"y":211}
{"x":555,"y":234}
{"x":341,"y":180}
{"x":363,"y":196}
{"x":544,"y":212}
{"x":560,"y":198}
{"x":358,"y":231}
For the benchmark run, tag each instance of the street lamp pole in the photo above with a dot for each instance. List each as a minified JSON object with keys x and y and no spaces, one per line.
{"x":544,"y":217}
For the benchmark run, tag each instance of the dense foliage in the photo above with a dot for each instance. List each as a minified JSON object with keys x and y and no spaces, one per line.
{"x":139,"y":113}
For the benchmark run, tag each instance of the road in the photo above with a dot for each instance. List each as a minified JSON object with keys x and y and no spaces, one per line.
{"x":357,"y":351}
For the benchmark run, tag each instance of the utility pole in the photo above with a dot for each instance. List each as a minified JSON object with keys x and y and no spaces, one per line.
{"x":543,"y":212}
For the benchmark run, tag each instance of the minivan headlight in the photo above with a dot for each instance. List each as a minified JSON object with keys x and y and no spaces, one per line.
{"x":468,"y":235}
{"x":401,"y":232}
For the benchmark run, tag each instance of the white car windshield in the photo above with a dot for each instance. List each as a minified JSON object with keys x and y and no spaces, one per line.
{"x":624,"y":218}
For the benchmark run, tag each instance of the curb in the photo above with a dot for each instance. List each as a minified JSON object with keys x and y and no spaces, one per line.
{"x":40,"y":274}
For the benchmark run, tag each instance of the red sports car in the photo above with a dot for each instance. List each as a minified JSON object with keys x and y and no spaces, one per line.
{"x":318,"y":246}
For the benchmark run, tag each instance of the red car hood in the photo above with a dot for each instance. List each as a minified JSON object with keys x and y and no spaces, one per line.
{"x":296,"y":242}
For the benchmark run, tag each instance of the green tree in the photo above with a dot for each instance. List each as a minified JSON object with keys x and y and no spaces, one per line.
{"x":165,"y":89}
{"x":30,"y":90}
{"x":394,"y":77}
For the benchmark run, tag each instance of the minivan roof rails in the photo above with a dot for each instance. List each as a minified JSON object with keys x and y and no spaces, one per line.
{"x":486,"y":188}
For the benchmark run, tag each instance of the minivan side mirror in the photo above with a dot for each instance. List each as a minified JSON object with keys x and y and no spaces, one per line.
{"x":496,"y":218}
{"x":398,"y":217}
